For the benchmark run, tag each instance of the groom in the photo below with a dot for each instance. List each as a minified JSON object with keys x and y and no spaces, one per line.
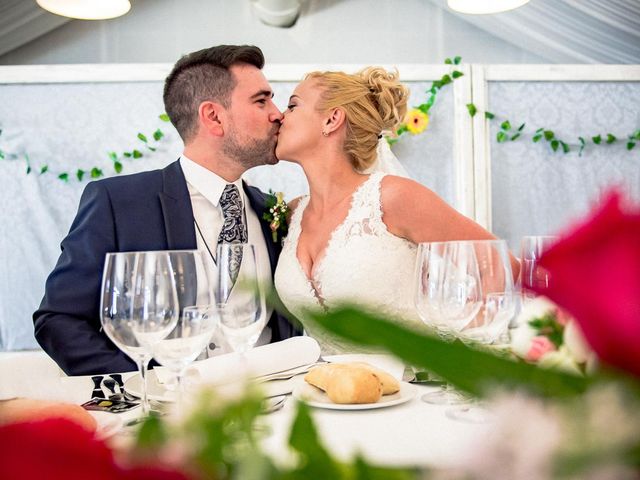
{"x":221,"y":105}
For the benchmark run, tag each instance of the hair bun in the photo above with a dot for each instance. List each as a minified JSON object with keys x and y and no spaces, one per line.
{"x":390,"y":95}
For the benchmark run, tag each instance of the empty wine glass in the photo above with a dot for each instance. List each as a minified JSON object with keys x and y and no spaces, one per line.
{"x":498,"y":302}
{"x":185,"y":342}
{"x":448,"y":295}
{"x":139,"y":305}
{"x":239,"y":294}
{"x":531,"y":273}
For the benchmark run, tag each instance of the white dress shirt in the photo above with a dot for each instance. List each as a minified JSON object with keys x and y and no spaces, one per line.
{"x":205,"y":189}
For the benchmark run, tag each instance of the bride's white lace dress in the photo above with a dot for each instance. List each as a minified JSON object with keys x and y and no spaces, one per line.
{"x":363,"y":263}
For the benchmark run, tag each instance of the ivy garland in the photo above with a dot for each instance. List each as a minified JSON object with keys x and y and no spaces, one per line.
{"x":95,"y":172}
{"x":415,"y":122}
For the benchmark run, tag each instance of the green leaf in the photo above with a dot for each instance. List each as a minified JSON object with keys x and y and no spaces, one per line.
{"x":28,"y":169}
{"x":448,"y":61}
{"x":548,"y":135}
{"x":64,"y":177}
{"x":597,"y":139}
{"x":515,"y":137}
{"x":142,"y":137}
{"x":127,"y":154}
{"x":152,"y":432}
{"x":489,"y":115}
{"x":164,"y":117}
{"x":1,"y":155}
{"x":636,"y":135}
{"x":137,"y":154}
{"x":80,"y":174}
{"x":630,"y":145}
{"x":470,"y":370}
{"x":157,"y":135}
{"x":554,"y":145}
{"x":457,"y":60}
{"x":117,"y":166}
{"x":521,"y":127}
{"x":153,"y":149}
{"x":44,"y":169}
{"x":96,"y":172}
{"x":536,"y":138}
{"x":391,"y":141}
{"x":505,"y":125}
{"x":445,"y":80}
{"x":540,"y":130}
{"x":316,"y":461}
{"x":472,"y":109}
{"x":424,"y":107}
{"x":565,"y":147}
{"x":501,"y":137}
{"x":435,"y":86}
{"x":402,"y":129}
{"x":113,"y":156}
{"x":611,"y":138}
{"x":456,"y":74}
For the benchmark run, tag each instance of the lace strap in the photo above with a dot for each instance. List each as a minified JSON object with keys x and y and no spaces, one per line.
{"x":296,"y":217}
{"x":367,"y":201}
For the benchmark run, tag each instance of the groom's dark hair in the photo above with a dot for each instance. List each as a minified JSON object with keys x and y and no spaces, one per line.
{"x":201,"y":76}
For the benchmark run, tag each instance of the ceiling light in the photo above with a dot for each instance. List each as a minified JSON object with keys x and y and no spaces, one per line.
{"x":87,"y":9}
{"x":479,"y":7}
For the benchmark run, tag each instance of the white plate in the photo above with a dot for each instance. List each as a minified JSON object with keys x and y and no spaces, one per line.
{"x":108,"y":423}
{"x":155,"y":391}
{"x":317,"y":398}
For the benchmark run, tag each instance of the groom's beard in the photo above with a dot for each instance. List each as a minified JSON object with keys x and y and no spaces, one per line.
{"x":255,"y":152}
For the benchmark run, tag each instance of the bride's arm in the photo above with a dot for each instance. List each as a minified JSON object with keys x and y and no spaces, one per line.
{"x":412,"y":211}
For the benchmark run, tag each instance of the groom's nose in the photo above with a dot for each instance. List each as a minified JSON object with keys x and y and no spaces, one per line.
{"x":275,"y":115}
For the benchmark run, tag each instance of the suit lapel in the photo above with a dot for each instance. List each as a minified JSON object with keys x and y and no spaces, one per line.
{"x":257,"y":201}
{"x":176,"y":209}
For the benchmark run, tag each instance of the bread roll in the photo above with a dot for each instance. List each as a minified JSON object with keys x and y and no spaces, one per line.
{"x":28,"y":409}
{"x":389,"y":384}
{"x":355,"y":382}
{"x":354,"y":385}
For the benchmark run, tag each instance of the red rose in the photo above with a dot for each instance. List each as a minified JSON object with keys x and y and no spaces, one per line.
{"x":59,"y":449}
{"x":596,"y":278}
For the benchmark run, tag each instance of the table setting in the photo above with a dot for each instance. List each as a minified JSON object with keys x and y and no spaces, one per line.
{"x":496,"y":363}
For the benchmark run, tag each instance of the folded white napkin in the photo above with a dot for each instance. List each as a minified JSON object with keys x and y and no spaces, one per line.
{"x":264,"y":360}
{"x":387,"y":363}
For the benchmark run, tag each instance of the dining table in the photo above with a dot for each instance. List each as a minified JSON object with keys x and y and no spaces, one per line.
{"x":411,"y":433}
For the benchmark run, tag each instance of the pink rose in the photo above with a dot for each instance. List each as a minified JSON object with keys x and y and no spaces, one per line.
{"x":596,"y":278}
{"x":539,"y":346}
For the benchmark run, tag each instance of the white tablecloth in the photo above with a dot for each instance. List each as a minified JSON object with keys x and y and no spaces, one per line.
{"x":413,"y":433}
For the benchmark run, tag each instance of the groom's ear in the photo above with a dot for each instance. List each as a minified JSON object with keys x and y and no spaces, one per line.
{"x":334,"y":121}
{"x":210,"y":118}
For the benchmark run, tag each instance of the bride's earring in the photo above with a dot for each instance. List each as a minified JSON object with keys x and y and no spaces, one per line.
{"x":326,"y":134}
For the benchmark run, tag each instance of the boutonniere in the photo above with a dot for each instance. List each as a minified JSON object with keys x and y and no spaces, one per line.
{"x":276,"y":214}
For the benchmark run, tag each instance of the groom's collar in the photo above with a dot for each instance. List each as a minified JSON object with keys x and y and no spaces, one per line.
{"x":207,"y":183}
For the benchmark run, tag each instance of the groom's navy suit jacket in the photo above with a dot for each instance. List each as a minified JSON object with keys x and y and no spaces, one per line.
{"x":144,"y":211}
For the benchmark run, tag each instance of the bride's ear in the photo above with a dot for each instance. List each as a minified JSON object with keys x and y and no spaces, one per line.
{"x":334,"y":120}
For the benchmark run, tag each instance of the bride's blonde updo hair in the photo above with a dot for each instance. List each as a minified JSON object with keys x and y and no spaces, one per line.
{"x":374,"y":102}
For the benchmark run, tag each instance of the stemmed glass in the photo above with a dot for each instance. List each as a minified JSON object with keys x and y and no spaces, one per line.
{"x":448,"y":295}
{"x":139,"y":305}
{"x":239,"y":296}
{"x":199,"y":315}
{"x":531,"y":273}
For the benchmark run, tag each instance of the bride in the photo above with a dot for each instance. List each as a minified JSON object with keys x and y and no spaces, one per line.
{"x":353,"y":239}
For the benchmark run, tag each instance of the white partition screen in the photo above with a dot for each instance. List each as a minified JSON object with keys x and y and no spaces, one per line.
{"x":66,"y":118}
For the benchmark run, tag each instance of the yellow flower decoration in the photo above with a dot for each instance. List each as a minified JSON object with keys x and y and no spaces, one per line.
{"x":416,"y":121}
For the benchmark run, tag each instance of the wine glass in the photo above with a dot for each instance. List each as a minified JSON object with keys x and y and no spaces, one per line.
{"x":184,"y":343}
{"x":239,"y":295}
{"x":448,"y":295}
{"x":139,"y":305}
{"x":531,"y":273}
{"x":198,"y":317}
{"x":498,"y":301}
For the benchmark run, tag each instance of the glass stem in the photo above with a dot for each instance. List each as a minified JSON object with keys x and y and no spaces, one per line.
{"x":143,"y":362}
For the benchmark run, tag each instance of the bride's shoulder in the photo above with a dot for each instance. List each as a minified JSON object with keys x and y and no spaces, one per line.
{"x":396,"y":191}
